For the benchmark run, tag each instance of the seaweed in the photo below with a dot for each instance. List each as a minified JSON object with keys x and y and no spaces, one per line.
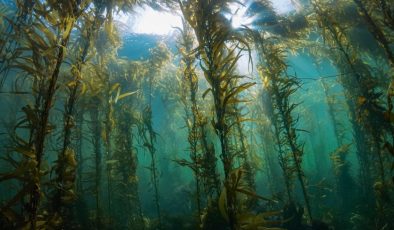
{"x":282,"y":87}
{"x":249,"y":115}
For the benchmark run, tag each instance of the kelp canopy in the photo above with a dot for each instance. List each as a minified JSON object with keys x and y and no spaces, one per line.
{"x":246,"y":116}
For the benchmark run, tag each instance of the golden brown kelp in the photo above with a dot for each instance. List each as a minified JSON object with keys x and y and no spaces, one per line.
{"x":12,"y":24}
{"x":379,"y":17}
{"x":189,"y":84}
{"x":264,"y":133}
{"x":67,"y":14}
{"x":281,"y":87}
{"x":96,"y":127}
{"x":66,"y":164}
{"x":110,"y":39}
{"x":202,"y":151}
{"x":284,"y":159}
{"x":98,"y":103}
{"x":209,"y":174}
{"x":341,"y":165}
{"x":158,"y":57}
{"x":42,"y":51}
{"x":220,"y":48}
{"x":351,"y":83}
{"x":124,"y":166}
{"x":218,"y":63}
{"x":364,"y":99}
{"x":80,"y":207}
{"x":344,"y":182}
{"x":241,"y":140}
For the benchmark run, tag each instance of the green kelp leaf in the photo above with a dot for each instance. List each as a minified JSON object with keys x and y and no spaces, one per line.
{"x":206,"y":92}
{"x":114,"y":87}
{"x":26,"y":151}
{"x":121,"y":96}
{"x":253,"y":194}
{"x":125,"y":95}
{"x":26,"y":67}
{"x":110,"y":162}
{"x":235,"y":91}
{"x":69,"y":196}
{"x":69,"y":24}
{"x":69,"y":156}
{"x":41,"y":224}
{"x":223,"y":204}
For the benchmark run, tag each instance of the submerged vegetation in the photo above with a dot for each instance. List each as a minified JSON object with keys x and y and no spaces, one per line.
{"x":281,"y":121}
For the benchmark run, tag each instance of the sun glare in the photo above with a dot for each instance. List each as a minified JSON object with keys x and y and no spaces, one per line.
{"x":283,"y":6}
{"x":238,"y":15}
{"x":149,"y":21}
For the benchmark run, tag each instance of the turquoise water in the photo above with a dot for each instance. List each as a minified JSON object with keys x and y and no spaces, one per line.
{"x":245,"y":115}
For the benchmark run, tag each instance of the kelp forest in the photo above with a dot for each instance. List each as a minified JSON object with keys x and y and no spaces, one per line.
{"x":245,"y":115}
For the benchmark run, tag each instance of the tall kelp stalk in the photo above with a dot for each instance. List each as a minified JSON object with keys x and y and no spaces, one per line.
{"x":281,"y":87}
{"x":100,"y":107}
{"x":125,"y":165}
{"x":361,"y":86}
{"x":284,"y":160}
{"x":95,"y":127}
{"x":209,"y":174}
{"x":240,"y":140}
{"x":189,"y":83}
{"x":23,"y":16}
{"x":111,"y":41}
{"x":80,"y":208}
{"x":66,"y":164}
{"x":219,"y":49}
{"x":159,"y":56}
{"x":267,"y":136}
{"x":202,"y":152}
{"x":379,"y":17}
{"x":364,"y":99}
{"x":42,"y":51}
{"x":345,"y":184}
{"x":350,"y":83}
{"x":124,"y":162}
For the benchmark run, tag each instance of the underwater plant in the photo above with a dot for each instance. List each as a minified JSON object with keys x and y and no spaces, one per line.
{"x":366,"y":11}
{"x":218,"y":64}
{"x":102,"y":127}
{"x":48,"y":48}
{"x":158,"y":57}
{"x":190,"y":83}
{"x":341,"y":165}
{"x":281,"y":86}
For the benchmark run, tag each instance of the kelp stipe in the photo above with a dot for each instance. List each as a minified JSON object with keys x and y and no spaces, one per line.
{"x":282,"y":86}
{"x":48,"y":52}
{"x":158,"y":57}
{"x":189,"y":84}
{"x":363,"y":98}
{"x":219,"y":62}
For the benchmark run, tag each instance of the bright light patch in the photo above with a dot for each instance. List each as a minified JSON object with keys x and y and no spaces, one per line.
{"x":282,"y":6}
{"x":238,"y":17}
{"x":149,"y":21}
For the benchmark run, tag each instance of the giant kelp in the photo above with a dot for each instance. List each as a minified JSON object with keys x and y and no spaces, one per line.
{"x":224,"y":127}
